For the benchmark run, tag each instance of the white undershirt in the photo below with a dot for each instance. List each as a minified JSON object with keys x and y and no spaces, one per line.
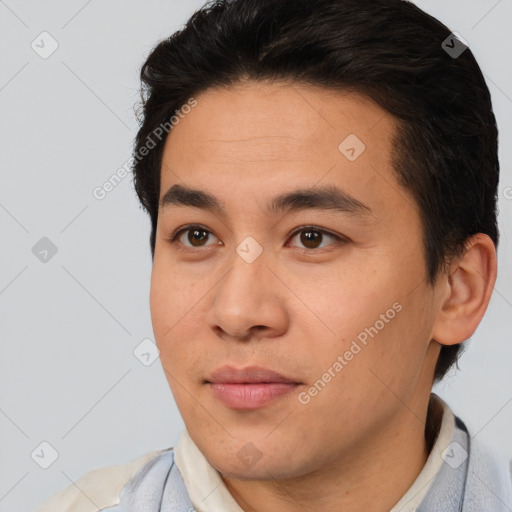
{"x":209,"y":493}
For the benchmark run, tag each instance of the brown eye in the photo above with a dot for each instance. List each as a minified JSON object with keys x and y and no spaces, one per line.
{"x":196,"y":237}
{"x":312,"y":238}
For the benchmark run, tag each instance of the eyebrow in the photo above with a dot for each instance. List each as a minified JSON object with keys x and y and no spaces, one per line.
{"x":316,"y":198}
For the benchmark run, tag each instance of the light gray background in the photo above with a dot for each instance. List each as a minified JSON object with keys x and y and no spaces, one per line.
{"x":69,"y":326}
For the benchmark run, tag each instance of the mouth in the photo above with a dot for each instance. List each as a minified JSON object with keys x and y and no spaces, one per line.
{"x":249,"y":388}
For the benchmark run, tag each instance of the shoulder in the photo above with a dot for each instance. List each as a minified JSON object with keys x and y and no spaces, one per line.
{"x":489,"y":479}
{"x":489,"y":482}
{"x":101,"y":488}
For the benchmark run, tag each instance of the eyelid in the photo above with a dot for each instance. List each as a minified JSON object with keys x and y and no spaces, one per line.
{"x":339,"y":238}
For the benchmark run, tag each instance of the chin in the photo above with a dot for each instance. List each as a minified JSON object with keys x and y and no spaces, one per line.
{"x":249,"y":463}
{"x":262,"y":471}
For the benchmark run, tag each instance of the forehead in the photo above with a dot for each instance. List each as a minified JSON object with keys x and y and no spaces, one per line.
{"x":259,"y":137}
{"x":280,"y":120}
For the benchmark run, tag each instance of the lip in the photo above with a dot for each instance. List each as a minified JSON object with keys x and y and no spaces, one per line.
{"x":249,"y":388}
{"x":247,"y":375}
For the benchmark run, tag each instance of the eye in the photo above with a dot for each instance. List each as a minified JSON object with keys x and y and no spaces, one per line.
{"x":311,"y":237}
{"x":196,"y":235}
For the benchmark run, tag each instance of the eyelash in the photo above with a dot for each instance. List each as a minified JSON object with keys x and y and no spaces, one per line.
{"x":173,"y":239}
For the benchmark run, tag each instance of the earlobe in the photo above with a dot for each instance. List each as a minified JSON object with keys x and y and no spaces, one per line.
{"x":467,"y":290}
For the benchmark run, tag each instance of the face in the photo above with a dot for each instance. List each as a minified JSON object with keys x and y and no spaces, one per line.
{"x":289,"y":298}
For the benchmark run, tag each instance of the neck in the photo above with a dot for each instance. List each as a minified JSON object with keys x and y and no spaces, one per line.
{"x":355,"y":481}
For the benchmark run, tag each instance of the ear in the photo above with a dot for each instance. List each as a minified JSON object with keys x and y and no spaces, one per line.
{"x":465,"y":291}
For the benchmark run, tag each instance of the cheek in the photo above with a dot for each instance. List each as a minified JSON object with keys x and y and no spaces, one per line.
{"x":343,"y":303}
{"x":172,"y":296}
{"x":160,"y":302}
{"x":369,"y":315}
{"x":176,"y":316}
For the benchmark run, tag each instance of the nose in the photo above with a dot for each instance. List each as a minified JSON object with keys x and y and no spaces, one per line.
{"x":249,"y":302}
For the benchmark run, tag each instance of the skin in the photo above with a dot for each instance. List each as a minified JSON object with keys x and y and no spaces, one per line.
{"x":295,"y":309}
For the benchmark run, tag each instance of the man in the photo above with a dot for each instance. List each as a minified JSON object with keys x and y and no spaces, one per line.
{"x":323,"y":207}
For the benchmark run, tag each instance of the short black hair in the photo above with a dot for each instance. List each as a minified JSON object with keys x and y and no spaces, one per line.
{"x":445,"y":151}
